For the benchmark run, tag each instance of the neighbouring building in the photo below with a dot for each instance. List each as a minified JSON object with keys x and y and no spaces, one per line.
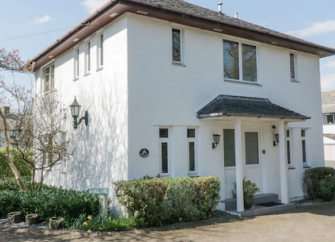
{"x":175,"y":89}
{"x":328,"y":112}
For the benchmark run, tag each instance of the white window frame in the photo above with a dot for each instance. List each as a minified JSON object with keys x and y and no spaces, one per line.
{"x":240,"y":43}
{"x":295,"y":66}
{"x":325,"y":116}
{"x":194,"y":140}
{"x":51,"y":80}
{"x":161,"y":141}
{"x":76,"y":63}
{"x":181,"y":62}
{"x":88,"y":57}
{"x":100,"y":51}
{"x":304,"y":138}
{"x":288,"y":139}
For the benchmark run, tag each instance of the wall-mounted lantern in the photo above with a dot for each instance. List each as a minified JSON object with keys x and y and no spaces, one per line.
{"x":275,"y":137}
{"x":216,"y":138}
{"x":75,"y":110}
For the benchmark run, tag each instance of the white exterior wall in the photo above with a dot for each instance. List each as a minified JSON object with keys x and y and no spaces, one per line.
{"x":329,"y":145}
{"x":100,"y":149}
{"x":163,"y":94}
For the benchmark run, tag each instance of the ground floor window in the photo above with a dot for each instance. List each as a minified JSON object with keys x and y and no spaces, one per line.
{"x":288,"y":148}
{"x":191,"y":149}
{"x":229,"y":147}
{"x":303,"y":143}
{"x":164,"y":150}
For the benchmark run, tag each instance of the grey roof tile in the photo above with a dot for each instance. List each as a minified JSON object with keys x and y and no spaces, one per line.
{"x":225,"y":105}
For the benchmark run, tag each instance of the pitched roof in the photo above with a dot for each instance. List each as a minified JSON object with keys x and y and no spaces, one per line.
{"x":225,"y":105}
{"x":328,"y":102}
{"x":180,"y":12}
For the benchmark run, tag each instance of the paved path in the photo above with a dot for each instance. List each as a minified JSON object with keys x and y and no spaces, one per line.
{"x":307,"y":223}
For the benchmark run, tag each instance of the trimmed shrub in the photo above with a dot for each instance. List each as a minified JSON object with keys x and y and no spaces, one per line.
{"x":11,"y":184}
{"x":5,"y":170}
{"x":51,"y":202}
{"x":319,"y":183}
{"x":161,"y":201}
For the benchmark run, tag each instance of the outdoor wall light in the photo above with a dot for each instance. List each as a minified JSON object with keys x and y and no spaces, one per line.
{"x":216,"y":138}
{"x":75,"y":110}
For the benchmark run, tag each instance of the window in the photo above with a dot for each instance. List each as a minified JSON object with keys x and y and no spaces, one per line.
{"x":101,"y":51}
{"x":88,"y":57}
{"x":303,"y":143}
{"x":251,"y":148}
{"x":49,"y":78}
{"x":229,"y":147}
{"x":191,"y":149}
{"x":176,"y":46}
{"x":164,"y":135}
{"x":240,"y":61}
{"x":76,"y":64}
{"x":288,"y":148}
{"x":328,"y":119}
{"x":292,"y":66}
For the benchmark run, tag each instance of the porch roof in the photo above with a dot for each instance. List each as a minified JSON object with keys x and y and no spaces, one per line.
{"x":225,"y":105}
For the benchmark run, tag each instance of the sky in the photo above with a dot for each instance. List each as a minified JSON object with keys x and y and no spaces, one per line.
{"x":31,"y":26}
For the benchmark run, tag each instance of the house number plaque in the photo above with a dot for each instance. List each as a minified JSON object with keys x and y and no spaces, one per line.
{"x":144,"y":153}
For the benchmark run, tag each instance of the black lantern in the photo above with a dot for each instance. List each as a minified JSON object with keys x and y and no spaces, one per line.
{"x":75,"y":110}
{"x":276,"y":139}
{"x":216,"y":138}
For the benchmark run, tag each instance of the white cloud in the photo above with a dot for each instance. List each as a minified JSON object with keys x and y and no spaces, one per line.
{"x":41,"y":20}
{"x":328,"y":82}
{"x":92,"y":5}
{"x":315,"y":28}
{"x":330,"y":64}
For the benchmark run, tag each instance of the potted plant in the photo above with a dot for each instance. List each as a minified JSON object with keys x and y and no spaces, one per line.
{"x":249,"y":189}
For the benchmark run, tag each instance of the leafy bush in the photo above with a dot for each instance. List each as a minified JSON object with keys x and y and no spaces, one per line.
{"x":161,"y":201}
{"x":5,"y":170}
{"x":11,"y":184}
{"x":51,"y":202}
{"x":319,"y":183}
{"x":249,"y":188}
{"x":106,"y":223}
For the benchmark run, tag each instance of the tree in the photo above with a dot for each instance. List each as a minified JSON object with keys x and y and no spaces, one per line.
{"x":40,"y":138}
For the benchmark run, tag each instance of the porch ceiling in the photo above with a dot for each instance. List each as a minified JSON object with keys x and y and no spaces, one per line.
{"x":225,"y":105}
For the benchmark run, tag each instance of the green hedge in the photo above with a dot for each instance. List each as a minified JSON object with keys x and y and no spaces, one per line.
{"x":49,"y":202}
{"x":319,"y":183}
{"x":5,"y":170}
{"x":161,"y":201}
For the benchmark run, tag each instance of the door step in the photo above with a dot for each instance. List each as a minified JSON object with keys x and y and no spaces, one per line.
{"x":260,"y":210}
{"x":230,"y":204}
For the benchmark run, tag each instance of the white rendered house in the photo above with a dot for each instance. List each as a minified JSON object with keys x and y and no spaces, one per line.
{"x":167,"y":77}
{"x":328,"y":112}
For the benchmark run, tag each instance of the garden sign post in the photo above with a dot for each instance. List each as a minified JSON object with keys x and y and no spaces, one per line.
{"x":102,"y":192}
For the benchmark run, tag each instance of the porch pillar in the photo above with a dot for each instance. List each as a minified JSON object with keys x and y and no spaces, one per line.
{"x":239,"y":166}
{"x":283,"y":164}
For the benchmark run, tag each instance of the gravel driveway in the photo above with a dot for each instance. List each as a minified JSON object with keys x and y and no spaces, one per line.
{"x":307,"y":223}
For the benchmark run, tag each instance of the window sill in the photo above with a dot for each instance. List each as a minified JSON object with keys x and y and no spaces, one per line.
{"x":76,"y":79}
{"x":307,"y":167}
{"x":295,"y":80}
{"x":193,"y":174}
{"x":243,"y":82}
{"x":164,"y":175}
{"x":291,"y":167}
{"x":178,"y":64}
{"x":87,"y":74}
{"x":100,"y":68}
{"x":50,"y":91}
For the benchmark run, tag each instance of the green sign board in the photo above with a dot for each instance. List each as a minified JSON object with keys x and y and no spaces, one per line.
{"x":98,"y":191}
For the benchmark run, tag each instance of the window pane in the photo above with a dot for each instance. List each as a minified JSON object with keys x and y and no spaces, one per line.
{"x":292,"y":66}
{"x":303,"y":133}
{"x":101,"y":49}
{"x":191,"y":152}
{"x":249,"y":63}
{"x":330,"y":119}
{"x":325,"y":119}
{"x":77,"y":71}
{"x":47,"y":83}
{"x":191,"y":133}
{"x":287,"y":133}
{"x":89,"y":56}
{"x":163,"y":133}
{"x":288,"y":152}
{"x":231,"y":60}
{"x":304,"y":151}
{"x":52,"y":76}
{"x":165,"y":158}
{"x":176,"y":41}
{"x":229,"y":147}
{"x":251,"y":148}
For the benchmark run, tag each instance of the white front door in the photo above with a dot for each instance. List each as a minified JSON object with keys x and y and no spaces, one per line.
{"x":252,"y":166}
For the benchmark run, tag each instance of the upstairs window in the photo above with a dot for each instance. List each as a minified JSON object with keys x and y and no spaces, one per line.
{"x":101,"y":51}
{"x":240,"y":61}
{"x":76,"y":64}
{"x":88,"y":57}
{"x":328,"y":119}
{"x":176,"y":46}
{"x":292,"y":66}
{"x":49,"y":78}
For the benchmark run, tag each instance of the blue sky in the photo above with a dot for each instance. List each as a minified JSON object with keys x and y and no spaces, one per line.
{"x":308,"y":19}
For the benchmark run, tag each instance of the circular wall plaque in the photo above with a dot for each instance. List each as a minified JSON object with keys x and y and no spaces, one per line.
{"x":144,"y":153}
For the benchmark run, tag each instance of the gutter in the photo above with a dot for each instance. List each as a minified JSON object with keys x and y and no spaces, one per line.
{"x":214,"y":115}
